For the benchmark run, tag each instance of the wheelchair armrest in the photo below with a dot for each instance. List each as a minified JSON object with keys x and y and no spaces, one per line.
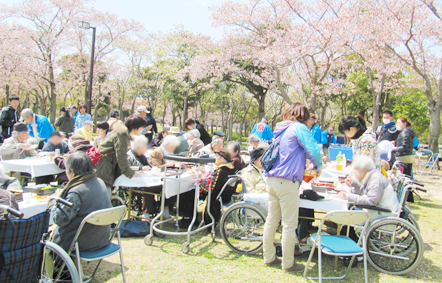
{"x":377,"y":208}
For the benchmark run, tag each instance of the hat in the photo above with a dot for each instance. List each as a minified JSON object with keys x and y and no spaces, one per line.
{"x":174,"y":130}
{"x":89,"y":122}
{"x":25,"y":113}
{"x":219,"y":133}
{"x":55,"y":133}
{"x":20,"y":127}
{"x":14,"y":97}
{"x":311,"y":195}
{"x":143,"y":109}
{"x":256,"y":153}
{"x":224,"y":154}
{"x":73,"y":107}
{"x":331,"y":128}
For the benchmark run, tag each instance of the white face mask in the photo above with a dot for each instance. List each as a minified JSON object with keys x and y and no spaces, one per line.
{"x":386,"y":121}
{"x":399,"y":127}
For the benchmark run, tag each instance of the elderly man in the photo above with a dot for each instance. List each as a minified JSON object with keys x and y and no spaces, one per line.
{"x":151,"y":127}
{"x":88,"y":194}
{"x":9,"y":116}
{"x":38,"y":125}
{"x":183,"y":146}
{"x":56,"y":142}
{"x":263,"y":130}
{"x":369,"y":186}
{"x":85,"y":131}
{"x":255,"y":143}
{"x":160,"y":136}
{"x":168,"y":147}
{"x":210,"y":149}
{"x":252,"y":175}
{"x":17,"y":146}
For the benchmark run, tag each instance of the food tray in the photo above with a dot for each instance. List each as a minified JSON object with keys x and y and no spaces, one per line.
{"x":40,"y":191}
{"x":322,"y":188}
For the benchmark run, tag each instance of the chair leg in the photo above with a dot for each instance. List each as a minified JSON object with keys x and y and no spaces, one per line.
{"x":79,"y":266}
{"x":121,"y":257}
{"x":320,"y":263}
{"x":309,"y":259}
{"x":364,"y":246}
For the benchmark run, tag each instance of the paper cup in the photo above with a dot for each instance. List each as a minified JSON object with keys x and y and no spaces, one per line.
{"x":27,"y":197}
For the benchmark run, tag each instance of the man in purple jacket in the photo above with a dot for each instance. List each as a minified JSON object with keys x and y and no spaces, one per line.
{"x":296,"y":142}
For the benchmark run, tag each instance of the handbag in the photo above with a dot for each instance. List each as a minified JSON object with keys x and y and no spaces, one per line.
{"x":134,"y":228}
{"x":95,"y":155}
{"x":271,"y":154}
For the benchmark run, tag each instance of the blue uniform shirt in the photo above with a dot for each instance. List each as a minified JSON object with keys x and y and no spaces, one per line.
{"x":316,"y":132}
{"x":263,"y":131}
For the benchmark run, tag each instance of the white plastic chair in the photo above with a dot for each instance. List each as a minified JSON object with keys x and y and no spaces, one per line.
{"x":341,"y":245}
{"x":100,"y":217}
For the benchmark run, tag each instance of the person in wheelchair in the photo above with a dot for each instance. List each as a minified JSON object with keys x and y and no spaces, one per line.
{"x":136,"y":157}
{"x":7,"y":186}
{"x":369,"y":186}
{"x":224,"y":169}
{"x":234,"y":148}
{"x":252,"y":176}
{"x":88,"y":194}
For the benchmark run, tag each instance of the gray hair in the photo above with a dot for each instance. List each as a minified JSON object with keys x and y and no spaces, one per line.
{"x":170,"y":140}
{"x":114,"y":113}
{"x":138,"y":141}
{"x":79,"y":163}
{"x":217,"y":140}
{"x":254,"y":138}
{"x":362,"y":162}
{"x":195,"y":133}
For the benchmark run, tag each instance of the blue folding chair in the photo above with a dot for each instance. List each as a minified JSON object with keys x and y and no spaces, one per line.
{"x":430,"y":164}
{"x":100,"y":217}
{"x":341,"y":245}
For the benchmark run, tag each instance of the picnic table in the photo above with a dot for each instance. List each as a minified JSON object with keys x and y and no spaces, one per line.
{"x":36,"y":167}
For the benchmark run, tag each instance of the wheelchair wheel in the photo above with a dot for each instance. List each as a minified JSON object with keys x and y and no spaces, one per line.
{"x":394,"y":246}
{"x":242,"y":228}
{"x":117,"y":201}
{"x":57,"y":266}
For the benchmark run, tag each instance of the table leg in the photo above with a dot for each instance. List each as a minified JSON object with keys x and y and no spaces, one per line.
{"x":129,"y":204}
{"x":336,"y":258}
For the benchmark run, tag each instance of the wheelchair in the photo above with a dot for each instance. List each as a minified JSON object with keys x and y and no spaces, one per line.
{"x":28,"y":254}
{"x":394,"y":243}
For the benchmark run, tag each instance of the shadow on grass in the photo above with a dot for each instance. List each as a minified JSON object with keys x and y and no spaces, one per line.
{"x":106,"y":270}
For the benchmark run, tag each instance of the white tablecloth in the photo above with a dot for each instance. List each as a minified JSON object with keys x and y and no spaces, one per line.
{"x":33,"y":208}
{"x":150,"y":180}
{"x":36,"y":167}
{"x":333,"y":173}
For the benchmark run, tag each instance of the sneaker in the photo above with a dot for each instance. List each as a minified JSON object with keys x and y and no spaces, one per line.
{"x":295,"y":268}
{"x":276,"y":261}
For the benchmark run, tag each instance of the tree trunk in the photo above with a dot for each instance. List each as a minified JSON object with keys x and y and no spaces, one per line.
{"x":323,"y":112}
{"x":6,"y":95}
{"x":164,"y":114}
{"x":377,"y":97}
{"x":53,"y":94}
{"x":261,"y":98}
{"x":434,"y":107}
{"x":185,"y":108}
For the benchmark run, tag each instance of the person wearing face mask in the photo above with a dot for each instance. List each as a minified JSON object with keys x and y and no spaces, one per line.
{"x":254,"y":180}
{"x":387,"y":130}
{"x":363,"y":139}
{"x":404,"y":144}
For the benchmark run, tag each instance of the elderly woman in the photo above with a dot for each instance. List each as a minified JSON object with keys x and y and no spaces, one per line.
{"x":114,"y":162}
{"x":88,"y":194}
{"x":369,"y":186}
{"x":234,"y":148}
{"x":168,"y":147}
{"x":224,"y":168}
{"x":252,"y":175}
{"x":190,"y":124}
{"x":136,"y":156}
{"x":255,"y":142}
{"x":195,"y":143}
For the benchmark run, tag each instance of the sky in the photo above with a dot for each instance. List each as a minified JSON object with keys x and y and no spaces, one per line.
{"x":162,"y":15}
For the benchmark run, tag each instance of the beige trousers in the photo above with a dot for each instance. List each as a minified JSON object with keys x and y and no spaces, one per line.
{"x":283,"y":202}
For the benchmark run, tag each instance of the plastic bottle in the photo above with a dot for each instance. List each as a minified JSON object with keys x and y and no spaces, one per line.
{"x":340,"y":162}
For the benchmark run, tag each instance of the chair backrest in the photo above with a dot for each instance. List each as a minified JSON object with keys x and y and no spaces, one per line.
{"x":102,"y":217}
{"x":435,"y":157}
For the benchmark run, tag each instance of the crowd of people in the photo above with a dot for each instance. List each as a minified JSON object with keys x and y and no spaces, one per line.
{"x":94,"y":160}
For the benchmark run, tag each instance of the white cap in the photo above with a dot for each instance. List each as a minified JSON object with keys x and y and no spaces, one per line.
{"x":143,"y":109}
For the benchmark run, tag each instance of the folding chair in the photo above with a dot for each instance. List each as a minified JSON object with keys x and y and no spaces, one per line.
{"x":341,"y":245}
{"x":100,"y":217}
{"x":430,"y":164}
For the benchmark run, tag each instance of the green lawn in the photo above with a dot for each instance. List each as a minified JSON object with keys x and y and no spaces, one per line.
{"x":208,"y":261}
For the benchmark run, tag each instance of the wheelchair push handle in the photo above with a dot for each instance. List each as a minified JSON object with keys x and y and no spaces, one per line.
{"x":12,"y":211}
{"x":63,"y":201}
